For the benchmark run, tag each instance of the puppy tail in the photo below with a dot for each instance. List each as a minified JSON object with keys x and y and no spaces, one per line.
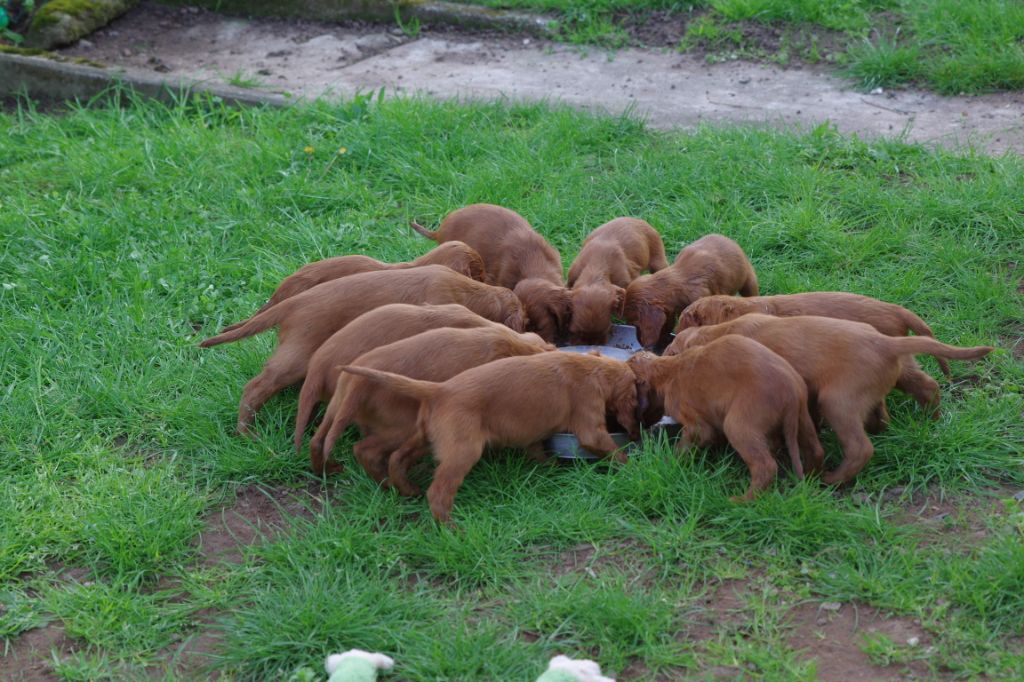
{"x":921,"y":328}
{"x":414,"y":388}
{"x":791,"y":433}
{"x":422,"y":230}
{"x":260,"y":322}
{"x":925,"y":345}
{"x":236,"y":325}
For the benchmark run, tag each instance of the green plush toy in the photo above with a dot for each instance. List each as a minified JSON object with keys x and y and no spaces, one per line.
{"x":356,"y":665}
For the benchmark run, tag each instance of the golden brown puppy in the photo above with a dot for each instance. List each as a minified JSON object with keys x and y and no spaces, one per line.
{"x":849,"y":368}
{"x":373,"y":329}
{"x":711,"y":265}
{"x":514,"y":402}
{"x":737,"y":388}
{"x":458,"y":256}
{"x":310,"y":318}
{"x":515,"y":257}
{"x":387,"y":419}
{"x":888,"y":318}
{"x":612,"y":256}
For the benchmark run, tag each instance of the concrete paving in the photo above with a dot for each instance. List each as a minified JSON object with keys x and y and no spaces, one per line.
{"x":671,"y":90}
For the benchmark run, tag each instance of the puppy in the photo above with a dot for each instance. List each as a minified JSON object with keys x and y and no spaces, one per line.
{"x":456,"y":255}
{"x":888,"y":318}
{"x":514,"y":402}
{"x":378,"y":327}
{"x":711,"y":265}
{"x":737,"y":388}
{"x":515,"y":257}
{"x":387,"y":419}
{"x":849,"y":368}
{"x":310,"y":318}
{"x":612,"y":256}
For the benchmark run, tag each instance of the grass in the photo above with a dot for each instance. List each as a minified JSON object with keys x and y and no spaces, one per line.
{"x":951,"y":46}
{"x":134,"y":230}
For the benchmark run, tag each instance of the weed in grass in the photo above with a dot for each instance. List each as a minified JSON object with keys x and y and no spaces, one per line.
{"x":242,"y":80}
{"x":884,"y":64}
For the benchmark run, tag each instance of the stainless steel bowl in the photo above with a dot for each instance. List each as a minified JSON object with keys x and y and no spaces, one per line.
{"x":622,"y":345}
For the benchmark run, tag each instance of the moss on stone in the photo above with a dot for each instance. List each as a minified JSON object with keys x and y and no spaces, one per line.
{"x":60,"y":22}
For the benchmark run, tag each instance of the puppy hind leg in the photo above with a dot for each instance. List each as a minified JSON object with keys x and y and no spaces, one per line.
{"x":752,"y":447}
{"x":457,"y":457}
{"x":810,"y":445}
{"x":847,"y":421}
{"x":284,"y":368}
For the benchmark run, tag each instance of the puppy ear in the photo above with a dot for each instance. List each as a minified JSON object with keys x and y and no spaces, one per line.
{"x":561,"y":307}
{"x":652,"y":318}
{"x":620,"y":302}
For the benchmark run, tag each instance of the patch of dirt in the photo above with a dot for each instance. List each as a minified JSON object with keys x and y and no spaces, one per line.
{"x":192,"y":658}
{"x":833,"y":638}
{"x":957,"y":523}
{"x":750,"y":38}
{"x":722,"y":607}
{"x":671,"y":90}
{"x":28,"y":659}
{"x":256,"y":514}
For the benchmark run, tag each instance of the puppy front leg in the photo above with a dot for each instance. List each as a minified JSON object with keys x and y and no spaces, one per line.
{"x":597,"y":440}
{"x":401,"y":461}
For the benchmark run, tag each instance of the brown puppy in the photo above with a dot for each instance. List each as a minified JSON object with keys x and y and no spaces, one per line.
{"x":888,"y":318}
{"x":379,"y":327}
{"x":514,"y":402}
{"x":612,"y":256}
{"x":737,"y":388}
{"x":711,"y":265}
{"x":849,"y":368}
{"x":387,"y":419}
{"x":310,"y":318}
{"x":515,"y":257}
{"x":458,"y":256}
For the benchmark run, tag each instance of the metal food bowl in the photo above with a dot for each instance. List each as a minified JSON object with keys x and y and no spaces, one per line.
{"x":622,"y":345}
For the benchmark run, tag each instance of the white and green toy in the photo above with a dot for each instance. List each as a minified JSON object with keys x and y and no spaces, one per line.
{"x":356,"y":665}
{"x":565,"y":669}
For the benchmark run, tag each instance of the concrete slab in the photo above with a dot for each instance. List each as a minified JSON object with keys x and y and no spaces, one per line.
{"x":672,"y":90}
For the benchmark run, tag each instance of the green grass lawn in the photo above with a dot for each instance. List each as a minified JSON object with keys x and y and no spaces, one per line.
{"x":951,"y":46}
{"x":132,"y":232}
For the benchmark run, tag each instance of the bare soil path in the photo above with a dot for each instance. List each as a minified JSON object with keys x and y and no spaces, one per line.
{"x":671,"y":90}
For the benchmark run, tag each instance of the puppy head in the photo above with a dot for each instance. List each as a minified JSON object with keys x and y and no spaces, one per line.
{"x":643,"y":310}
{"x":463,"y":259}
{"x":592,"y":308}
{"x":511,"y":313}
{"x":710,"y":310}
{"x":536,"y":342}
{"x":547,"y":306}
{"x":688,"y":338}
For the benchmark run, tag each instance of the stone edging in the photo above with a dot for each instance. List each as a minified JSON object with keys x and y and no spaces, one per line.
{"x":49,"y":80}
